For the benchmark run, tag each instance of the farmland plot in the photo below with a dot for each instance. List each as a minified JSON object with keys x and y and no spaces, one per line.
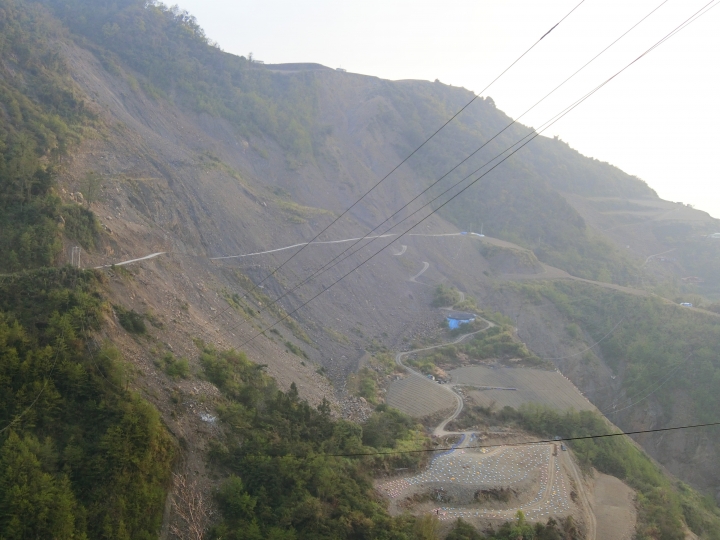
{"x":533,"y":386}
{"x":533,"y":476}
{"x":419,"y":397}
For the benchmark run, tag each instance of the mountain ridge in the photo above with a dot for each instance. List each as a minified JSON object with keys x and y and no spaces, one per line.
{"x":270,"y":159}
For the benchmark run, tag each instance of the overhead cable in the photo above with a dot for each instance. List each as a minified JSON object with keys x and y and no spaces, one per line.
{"x":519,"y":145}
{"x":526,"y":443}
{"x":475,"y":96}
{"x":368,"y":236}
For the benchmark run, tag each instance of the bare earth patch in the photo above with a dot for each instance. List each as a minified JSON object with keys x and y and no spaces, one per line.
{"x":614,"y":507}
{"x":418,"y":397}
{"x":549,"y":388}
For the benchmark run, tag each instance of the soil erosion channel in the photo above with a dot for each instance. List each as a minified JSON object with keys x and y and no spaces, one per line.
{"x":481,"y":484}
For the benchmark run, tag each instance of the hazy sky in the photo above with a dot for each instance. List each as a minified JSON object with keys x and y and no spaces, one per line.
{"x":659,"y":120}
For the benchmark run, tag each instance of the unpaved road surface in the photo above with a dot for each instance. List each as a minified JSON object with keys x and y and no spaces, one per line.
{"x":614,"y":508}
{"x":534,"y":469}
{"x":426,"y":265}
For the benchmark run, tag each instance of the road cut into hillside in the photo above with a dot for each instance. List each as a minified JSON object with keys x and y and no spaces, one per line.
{"x":480,"y":480}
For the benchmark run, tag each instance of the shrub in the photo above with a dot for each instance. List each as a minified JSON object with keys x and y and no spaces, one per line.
{"x":131,"y":320}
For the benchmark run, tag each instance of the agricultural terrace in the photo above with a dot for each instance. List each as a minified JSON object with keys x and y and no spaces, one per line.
{"x":548,"y":388}
{"x":488,"y":486}
{"x":419,"y":397}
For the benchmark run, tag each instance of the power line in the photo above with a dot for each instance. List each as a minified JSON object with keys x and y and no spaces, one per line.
{"x":591,"y":346}
{"x":658,"y":386}
{"x":525,"y":443}
{"x":475,"y":96}
{"x":531,"y":136}
{"x":322,"y":269}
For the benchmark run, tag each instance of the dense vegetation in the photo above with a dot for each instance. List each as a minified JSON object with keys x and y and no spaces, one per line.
{"x":41,"y":116}
{"x":80,"y":455}
{"x":285,"y":481}
{"x":652,"y":341}
{"x":562,"y":529}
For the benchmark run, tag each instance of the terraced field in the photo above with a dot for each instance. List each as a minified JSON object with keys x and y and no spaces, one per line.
{"x":419,"y":397}
{"x":538,"y":481}
{"x":533,"y":386}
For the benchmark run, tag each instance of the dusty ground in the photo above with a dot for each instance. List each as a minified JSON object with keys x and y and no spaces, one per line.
{"x":403,"y":395}
{"x":449,"y":487}
{"x":191,"y":185}
{"x":549,"y":388}
{"x":614,"y":505}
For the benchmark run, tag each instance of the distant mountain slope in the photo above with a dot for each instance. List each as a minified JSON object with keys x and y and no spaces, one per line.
{"x":201,"y":153}
{"x":312,"y":113}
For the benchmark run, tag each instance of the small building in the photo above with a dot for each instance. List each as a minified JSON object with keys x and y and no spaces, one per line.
{"x":341,"y":70}
{"x":457,"y":318}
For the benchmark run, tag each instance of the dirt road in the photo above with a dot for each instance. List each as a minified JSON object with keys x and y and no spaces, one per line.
{"x":426,"y":265}
{"x":440,"y":430}
{"x":587,"y":509}
{"x":553,"y":494}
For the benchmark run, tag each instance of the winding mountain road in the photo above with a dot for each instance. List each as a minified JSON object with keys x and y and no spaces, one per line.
{"x":440,"y":430}
{"x":466,"y":439}
{"x":426,"y":265}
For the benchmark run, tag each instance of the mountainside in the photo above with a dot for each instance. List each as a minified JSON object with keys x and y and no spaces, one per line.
{"x":127,"y":133}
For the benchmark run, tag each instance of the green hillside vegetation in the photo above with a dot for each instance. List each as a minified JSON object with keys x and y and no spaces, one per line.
{"x":41,"y":116}
{"x":562,"y":529}
{"x":367,"y":380}
{"x":652,"y":340}
{"x":284,"y":481}
{"x":495,"y":343}
{"x":445,"y":296}
{"x":80,"y":455}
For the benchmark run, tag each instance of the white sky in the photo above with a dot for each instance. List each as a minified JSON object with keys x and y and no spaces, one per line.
{"x":660,"y":120}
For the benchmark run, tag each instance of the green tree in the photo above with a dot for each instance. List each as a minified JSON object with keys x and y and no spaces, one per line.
{"x":34,"y":503}
{"x":91,"y":187}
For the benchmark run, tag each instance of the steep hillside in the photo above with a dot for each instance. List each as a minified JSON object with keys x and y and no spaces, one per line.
{"x":125,"y":132}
